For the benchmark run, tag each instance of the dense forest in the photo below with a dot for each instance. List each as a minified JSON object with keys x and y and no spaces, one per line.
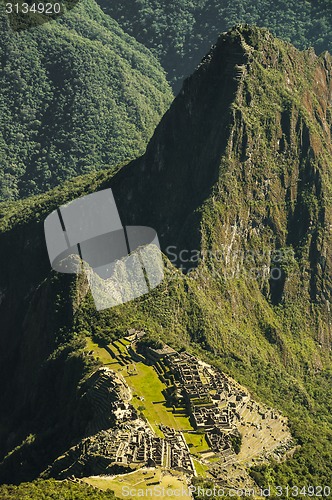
{"x":76,"y":95}
{"x":85,"y":93}
{"x":279,"y":346}
{"x":180,"y":32}
{"x":53,"y":490}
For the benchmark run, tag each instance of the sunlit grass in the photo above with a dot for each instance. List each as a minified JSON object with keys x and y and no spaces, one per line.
{"x":144,"y":480}
{"x":148,"y":392}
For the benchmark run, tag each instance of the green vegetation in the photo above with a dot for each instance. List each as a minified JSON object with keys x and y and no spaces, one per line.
{"x":99,"y":352}
{"x":180,"y":32}
{"x":273,"y":340}
{"x":53,"y":490}
{"x":236,"y":440}
{"x":146,"y":384}
{"x":201,"y":469}
{"x":77,"y":95}
{"x":148,"y":390}
{"x":38,"y":207}
{"x":272,"y":193}
{"x":143,"y":479}
{"x":196,"y":442}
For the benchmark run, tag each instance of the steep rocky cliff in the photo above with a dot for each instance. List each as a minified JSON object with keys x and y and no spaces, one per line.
{"x":238,"y":173}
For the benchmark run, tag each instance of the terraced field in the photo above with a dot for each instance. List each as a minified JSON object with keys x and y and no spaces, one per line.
{"x":146,"y":386}
{"x":260,"y":434}
{"x":148,"y":393}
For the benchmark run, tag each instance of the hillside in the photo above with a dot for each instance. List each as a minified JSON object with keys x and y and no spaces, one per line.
{"x":210,"y":427}
{"x":49,"y":490}
{"x":239,"y":172}
{"x":77,"y":95}
{"x":180,"y":32}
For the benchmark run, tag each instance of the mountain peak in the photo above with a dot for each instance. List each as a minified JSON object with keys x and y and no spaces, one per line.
{"x":250,"y":86}
{"x":239,"y":171}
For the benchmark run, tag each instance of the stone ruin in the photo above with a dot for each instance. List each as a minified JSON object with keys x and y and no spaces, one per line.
{"x":122,"y":441}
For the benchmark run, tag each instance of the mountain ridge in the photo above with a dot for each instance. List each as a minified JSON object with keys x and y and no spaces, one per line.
{"x":250,"y":136}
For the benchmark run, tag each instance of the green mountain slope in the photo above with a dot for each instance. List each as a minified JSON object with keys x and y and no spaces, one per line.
{"x":76,"y":95}
{"x":49,"y":490}
{"x":180,"y":32}
{"x":239,"y":171}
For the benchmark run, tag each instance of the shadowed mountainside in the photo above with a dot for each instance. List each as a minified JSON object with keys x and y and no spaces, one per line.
{"x":239,"y":170}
